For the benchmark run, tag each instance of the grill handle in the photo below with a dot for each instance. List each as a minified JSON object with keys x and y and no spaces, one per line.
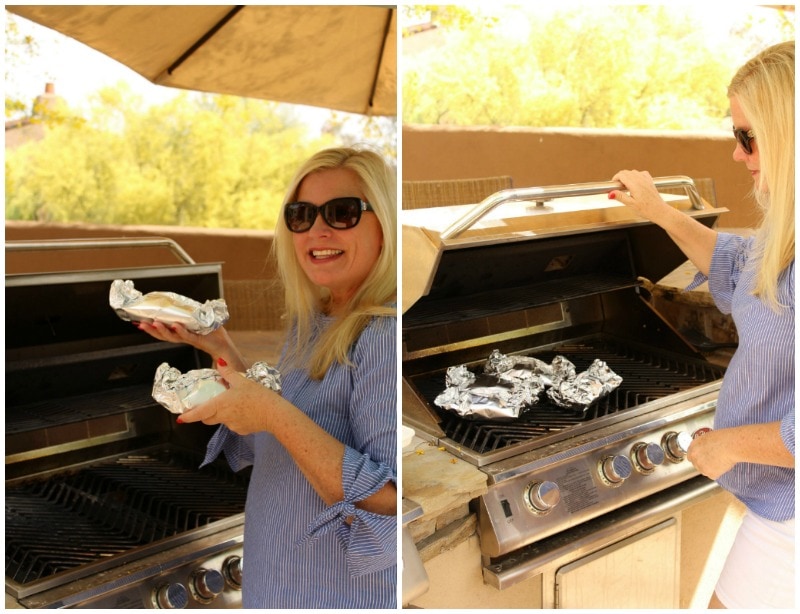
{"x":110,"y":243}
{"x":561,"y":191}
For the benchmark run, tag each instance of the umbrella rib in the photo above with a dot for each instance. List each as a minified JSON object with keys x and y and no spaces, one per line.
{"x":386,"y":31}
{"x":203,"y":39}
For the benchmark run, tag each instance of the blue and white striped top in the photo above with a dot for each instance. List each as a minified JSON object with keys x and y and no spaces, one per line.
{"x":298,"y":552}
{"x":758,"y":386}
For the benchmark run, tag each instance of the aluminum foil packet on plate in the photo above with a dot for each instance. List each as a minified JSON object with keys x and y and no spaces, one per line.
{"x":179,"y":392}
{"x":168,"y":307}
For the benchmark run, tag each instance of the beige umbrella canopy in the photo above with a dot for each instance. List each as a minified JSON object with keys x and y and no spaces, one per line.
{"x":336,"y":57}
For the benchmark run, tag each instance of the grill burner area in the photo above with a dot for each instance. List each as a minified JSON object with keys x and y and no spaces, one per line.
{"x":646,"y":374}
{"x":110,"y":507}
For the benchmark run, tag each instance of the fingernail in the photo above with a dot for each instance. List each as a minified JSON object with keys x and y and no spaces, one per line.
{"x":179,"y":420}
{"x":221,"y":362}
{"x":612,"y":195}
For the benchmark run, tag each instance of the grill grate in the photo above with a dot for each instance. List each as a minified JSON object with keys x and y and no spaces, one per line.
{"x":646,"y":376}
{"x":112,"y":507}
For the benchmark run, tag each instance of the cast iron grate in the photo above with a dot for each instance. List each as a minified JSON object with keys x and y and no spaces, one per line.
{"x":647,"y":375}
{"x":112,"y":507}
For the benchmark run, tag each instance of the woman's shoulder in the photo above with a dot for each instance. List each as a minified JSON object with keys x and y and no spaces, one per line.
{"x":380,"y":330}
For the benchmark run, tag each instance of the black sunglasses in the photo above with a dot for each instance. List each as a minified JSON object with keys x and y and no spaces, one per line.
{"x":745,"y":137}
{"x":339,"y":213}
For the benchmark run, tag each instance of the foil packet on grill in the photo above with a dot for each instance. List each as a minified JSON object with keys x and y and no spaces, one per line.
{"x":582,"y":390}
{"x":528,"y":368}
{"x":179,"y":392}
{"x":486,"y":397}
{"x":512,"y":384}
{"x":168,"y":307}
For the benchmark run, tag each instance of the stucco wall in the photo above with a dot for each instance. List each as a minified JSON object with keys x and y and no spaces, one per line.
{"x":540,"y":156}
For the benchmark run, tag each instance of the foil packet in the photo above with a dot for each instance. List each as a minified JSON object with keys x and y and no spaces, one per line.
{"x":511,"y":384}
{"x":168,"y":307}
{"x":180,"y":392}
{"x":582,"y":390}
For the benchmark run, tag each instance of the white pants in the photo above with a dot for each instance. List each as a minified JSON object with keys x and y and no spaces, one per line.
{"x":759,"y":570}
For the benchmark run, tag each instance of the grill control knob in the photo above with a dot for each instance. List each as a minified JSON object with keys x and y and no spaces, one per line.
{"x":541,"y":497}
{"x":646,"y":456}
{"x":676,"y":445}
{"x":206,"y":584}
{"x":614,"y":470}
{"x":700,"y":431}
{"x":232,"y":570}
{"x":171,"y":596}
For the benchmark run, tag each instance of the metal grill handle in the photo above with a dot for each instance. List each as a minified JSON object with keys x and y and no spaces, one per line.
{"x":561,"y":191}
{"x":56,"y":244}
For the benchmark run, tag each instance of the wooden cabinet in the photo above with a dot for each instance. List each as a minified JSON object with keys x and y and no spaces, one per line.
{"x":641,"y":571}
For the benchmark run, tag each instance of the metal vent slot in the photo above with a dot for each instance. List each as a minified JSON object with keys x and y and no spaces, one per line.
{"x":67,"y":410}
{"x":484,"y":304}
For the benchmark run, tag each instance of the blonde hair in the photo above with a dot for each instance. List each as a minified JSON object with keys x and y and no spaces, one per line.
{"x":304,"y":300}
{"x":764,"y":88}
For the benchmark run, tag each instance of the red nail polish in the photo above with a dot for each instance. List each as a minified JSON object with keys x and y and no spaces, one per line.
{"x":612,"y":195}
{"x":221,"y":362}
{"x":179,"y":420}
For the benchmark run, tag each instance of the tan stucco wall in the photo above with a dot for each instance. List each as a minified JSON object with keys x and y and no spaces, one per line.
{"x":542,"y":156}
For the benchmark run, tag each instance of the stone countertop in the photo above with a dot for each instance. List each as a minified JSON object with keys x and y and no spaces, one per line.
{"x":442,"y":486}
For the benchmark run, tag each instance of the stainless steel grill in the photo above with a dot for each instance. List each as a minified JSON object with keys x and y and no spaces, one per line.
{"x":106,"y":506}
{"x":96,"y":514}
{"x":562,"y":278}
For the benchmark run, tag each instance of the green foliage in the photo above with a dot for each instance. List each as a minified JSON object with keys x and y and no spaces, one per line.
{"x":17,"y":50}
{"x":613,"y":66}
{"x":213,"y":161}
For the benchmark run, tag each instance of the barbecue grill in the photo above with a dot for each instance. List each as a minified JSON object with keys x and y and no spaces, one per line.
{"x":545,"y":272}
{"x":105,"y":503}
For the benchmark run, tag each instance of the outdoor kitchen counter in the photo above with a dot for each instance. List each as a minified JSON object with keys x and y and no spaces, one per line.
{"x":442,"y":485}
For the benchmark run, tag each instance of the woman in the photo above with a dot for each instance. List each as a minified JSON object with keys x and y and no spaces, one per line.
{"x":750,"y":452}
{"x":320,"y":517}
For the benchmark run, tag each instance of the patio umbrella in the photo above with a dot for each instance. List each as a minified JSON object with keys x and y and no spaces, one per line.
{"x":336,"y":57}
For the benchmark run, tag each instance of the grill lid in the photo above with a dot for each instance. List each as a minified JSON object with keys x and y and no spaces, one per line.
{"x":532,"y":253}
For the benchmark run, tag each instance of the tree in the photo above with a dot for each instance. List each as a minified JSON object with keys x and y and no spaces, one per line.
{"x":19,"y":48}
{"x":611,"y":66}
{"x":215,"y":161}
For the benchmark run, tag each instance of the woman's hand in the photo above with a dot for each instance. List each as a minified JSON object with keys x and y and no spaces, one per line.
{"x":717,"y":451}
{"x":644,"y":197}
{"x":696,"y":240}
{"x":710,"y":455}
{"x":244,"y":408}
{"x":216,"y":343}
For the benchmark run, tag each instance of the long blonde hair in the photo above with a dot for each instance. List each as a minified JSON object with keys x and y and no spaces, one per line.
{"x":305,"y":300}
{"x":764,"y":88}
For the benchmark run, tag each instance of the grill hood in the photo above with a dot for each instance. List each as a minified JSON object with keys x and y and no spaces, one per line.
{"x":532,"y":246}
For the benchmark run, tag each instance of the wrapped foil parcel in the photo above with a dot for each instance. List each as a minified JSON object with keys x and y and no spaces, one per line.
{"x":168,"y":307}
{"x":511,"y":384}
{"x":179,"y":392}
